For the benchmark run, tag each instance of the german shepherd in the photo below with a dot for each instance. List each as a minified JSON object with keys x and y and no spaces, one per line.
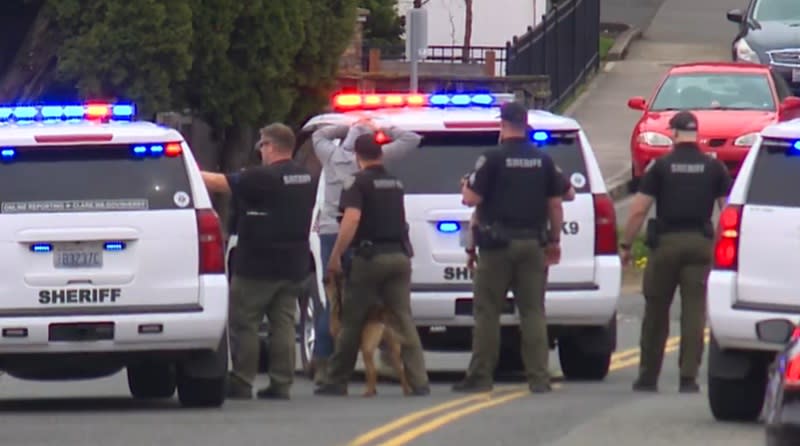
{"x":375,"y":331}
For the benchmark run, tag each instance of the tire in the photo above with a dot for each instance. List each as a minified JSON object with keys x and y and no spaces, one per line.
{"x":738,"y":399}
{"x":307,"y":332}
{"x":197,"y":388}
{"x":581,"y":361}
{"x":151,"y":380}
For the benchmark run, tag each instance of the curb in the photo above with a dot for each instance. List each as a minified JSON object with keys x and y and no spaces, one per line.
{"x":622,"y":43}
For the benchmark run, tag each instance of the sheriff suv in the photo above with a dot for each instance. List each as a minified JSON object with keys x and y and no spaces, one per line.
{"x":582,"y":291}
{"x":111,"y":254}
{"x":753,"y":281}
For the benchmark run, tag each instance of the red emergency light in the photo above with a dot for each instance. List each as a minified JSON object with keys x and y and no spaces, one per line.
{"x":354,"y":101}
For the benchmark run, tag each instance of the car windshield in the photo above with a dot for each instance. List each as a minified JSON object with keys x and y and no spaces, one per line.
{"x":443,"y":158}
{"x":777,"y":10}
{"x":715,"y":91}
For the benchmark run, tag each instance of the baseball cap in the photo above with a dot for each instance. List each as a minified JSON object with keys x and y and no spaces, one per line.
{"x":685,"y":121}
{"x":514,"y":112}
{"x":366,"y":146}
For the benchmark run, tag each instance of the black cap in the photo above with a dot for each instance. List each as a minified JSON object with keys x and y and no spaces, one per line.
{"x":685,"y":121}
{"x":514,"y":113}
{"x":366,"y":146}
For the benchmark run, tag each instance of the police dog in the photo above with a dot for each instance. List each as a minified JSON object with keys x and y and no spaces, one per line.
{"x":375,"y":331}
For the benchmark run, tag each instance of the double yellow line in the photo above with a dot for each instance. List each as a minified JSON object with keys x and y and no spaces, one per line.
{"x":459,"y":408}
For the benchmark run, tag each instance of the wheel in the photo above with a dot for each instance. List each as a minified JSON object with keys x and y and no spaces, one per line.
{"x":586,"y":354}
{"x":202,"y":380}
{"x":737,"y":399}
{"x":307,"y":305}
{"x":151,"y":380}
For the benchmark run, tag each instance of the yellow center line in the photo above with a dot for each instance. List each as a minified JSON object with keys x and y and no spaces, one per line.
{"x":478,"y":402}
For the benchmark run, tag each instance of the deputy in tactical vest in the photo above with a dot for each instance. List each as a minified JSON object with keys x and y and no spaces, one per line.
{"x":271,"y":261}
{"x":684,"y":185}
{"x":515,"y":245}
{"x":374,"y":223}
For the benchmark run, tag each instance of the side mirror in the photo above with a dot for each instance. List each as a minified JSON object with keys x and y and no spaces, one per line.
{"x":735,"y":15}
{"x":790,"y":103}
{"x":776,"y":331}
{"x":637,"y":103}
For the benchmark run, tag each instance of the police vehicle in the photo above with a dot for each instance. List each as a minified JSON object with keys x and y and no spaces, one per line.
{"x":754,"y":281}
{"x":583,"y":289}
{"x":111,"y":254}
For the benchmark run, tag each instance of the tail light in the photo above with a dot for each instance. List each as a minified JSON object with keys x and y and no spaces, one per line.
{"x":211,"y":246}
{"x":726,"y":247}
{"x":605,"y":225}
{"x":791,"y":377}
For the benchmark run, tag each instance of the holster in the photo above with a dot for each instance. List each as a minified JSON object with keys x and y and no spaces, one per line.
{"x":368,"y":249}
{"x":491,"y":237}
{"x":653,"y":233}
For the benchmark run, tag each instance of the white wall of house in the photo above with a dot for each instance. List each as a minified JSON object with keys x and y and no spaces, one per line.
{"x":494,"y":22}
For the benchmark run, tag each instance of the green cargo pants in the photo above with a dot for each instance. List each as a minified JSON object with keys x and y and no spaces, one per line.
{"x":680,"y":259}
{"x":385,"y":278}
{"x":521,"y":268}
{"x":250,"y":300}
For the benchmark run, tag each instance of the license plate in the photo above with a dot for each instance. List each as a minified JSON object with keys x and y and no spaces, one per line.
{"x":78,"y":256}
{"x":795,"y":74}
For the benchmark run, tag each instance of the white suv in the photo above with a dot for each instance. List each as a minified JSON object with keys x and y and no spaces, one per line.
{"x":583,"y":289}
{"x":754,"y":278}
{"x":111,"y":254}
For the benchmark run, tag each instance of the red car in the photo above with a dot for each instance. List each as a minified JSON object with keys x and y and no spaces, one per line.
{"x":732,"y":102}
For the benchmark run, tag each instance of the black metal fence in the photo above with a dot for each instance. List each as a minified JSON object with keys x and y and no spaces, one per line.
{"x":564,"y":46}
{"x":440,"y":54}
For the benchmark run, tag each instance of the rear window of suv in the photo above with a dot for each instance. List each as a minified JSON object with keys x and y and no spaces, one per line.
{"x":443,"y":158}
{"x":91,"y":179}
{"x":775,"y":180}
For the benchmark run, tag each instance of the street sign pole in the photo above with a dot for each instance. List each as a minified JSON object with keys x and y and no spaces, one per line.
{"x":416,"y":42}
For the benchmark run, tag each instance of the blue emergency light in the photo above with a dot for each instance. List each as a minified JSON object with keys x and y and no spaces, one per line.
{"x":448,"y":227}
{"x":797,"y":146}
{"x":540,"y":136}
{"x":90,"y":111}
{"x":41,"y":247}
{"x":8,"y":154}
{"x":114,"y":246}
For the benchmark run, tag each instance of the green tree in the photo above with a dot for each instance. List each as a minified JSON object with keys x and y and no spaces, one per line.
{"x":383,"y":27}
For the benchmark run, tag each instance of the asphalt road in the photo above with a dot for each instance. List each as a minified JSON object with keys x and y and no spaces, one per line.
{"x":85,"y":413}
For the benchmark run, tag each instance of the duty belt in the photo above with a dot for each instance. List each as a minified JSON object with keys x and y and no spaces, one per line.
{"x":367,"y":248}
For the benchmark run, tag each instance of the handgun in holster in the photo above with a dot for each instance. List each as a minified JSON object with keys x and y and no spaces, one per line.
{"x":491,"y":237}
{"x":365,"y":249}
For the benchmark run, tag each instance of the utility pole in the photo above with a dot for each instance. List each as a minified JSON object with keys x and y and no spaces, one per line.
{"x":416,"y":40}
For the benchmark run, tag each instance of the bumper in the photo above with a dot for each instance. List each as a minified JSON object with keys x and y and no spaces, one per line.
{"x":734,"y":328}
{"x":581,"y":305}
{"x":730,"y":155}
{"x":197,"y":329}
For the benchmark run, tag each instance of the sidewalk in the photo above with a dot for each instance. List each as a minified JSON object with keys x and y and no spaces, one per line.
{"x":681,"y":31}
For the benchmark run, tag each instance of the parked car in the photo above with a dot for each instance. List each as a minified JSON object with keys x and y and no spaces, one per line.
{"x":769,"y":33}
{"x":781,"y":414}
{"x":732,"y":101}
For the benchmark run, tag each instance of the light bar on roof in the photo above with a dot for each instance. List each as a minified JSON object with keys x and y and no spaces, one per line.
{"x":357,"y":101}
{"x":90,"y":111}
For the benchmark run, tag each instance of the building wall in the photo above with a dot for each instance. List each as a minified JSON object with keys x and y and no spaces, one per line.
{"x":494,"y":22}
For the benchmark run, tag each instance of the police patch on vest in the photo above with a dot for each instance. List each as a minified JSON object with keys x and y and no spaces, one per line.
{"x":297,"y":179}
{"x":383,"y":183}
{"x":349,"y":181}
{"x":523,"y":163}
{"x":687,"y":168}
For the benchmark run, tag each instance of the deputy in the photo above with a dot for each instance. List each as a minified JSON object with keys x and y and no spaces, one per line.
{"x":512,"y":255}
{"x":684,"y":184}
{"x":271,"y":261}
{"x":339,"y":163}
{"x":374,"y":222}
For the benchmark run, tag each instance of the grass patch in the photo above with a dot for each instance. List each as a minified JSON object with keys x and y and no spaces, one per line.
{"x":606,"y":43}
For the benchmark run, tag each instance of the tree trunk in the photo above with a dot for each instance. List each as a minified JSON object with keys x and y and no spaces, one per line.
{"x":467,"y":31}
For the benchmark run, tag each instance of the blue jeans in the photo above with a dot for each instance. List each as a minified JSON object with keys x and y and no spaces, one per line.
{"x":323,"y":343}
